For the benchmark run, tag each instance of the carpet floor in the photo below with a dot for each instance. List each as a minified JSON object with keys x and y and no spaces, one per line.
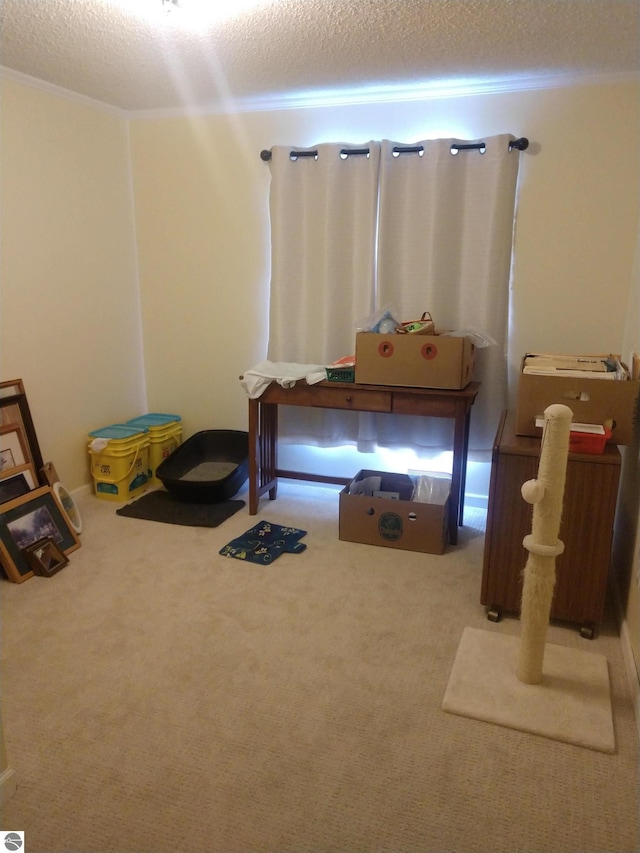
{"x":158,"y":696}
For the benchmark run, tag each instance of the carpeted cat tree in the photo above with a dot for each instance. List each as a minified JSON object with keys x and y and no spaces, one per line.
{"x":561,"y":693}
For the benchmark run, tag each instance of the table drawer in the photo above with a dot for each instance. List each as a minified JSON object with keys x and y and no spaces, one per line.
{"x":439,"y":406}
{"x":362,"y":401}
{"x":327,"y":397}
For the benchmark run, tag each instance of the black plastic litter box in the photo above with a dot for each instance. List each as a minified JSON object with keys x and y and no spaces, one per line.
{"x":210,"y":466}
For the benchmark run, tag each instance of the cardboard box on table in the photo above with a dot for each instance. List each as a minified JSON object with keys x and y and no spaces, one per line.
{"x":609,"y":402}
{"x":402,"y":523}
{"x":422,"y":361}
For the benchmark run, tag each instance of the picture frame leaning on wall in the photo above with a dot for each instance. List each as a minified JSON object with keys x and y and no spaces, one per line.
{"x":50,"y":476}
{"x":13,"y":447}
{"x":16,"y":482}
{"x":26,"y":519}
{"x":14,"y":410}
{"x":11,"y":387}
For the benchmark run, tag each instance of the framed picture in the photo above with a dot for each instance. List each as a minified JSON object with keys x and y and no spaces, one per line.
{"x":45,"y":557}
{"x":50,"y":476}
{"x":25,"y":520}
{"x":68,"y":505}
{"x":22,"y":472}
{"x":14,"y":485}
{"x":14,"y":410}
{"x":12,"y":387}
{"x":13,"y":448}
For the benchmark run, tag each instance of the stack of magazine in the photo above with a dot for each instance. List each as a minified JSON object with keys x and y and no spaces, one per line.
{"x":606,"y":367}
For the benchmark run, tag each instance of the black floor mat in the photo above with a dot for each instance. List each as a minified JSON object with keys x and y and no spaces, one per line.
{"x":160,"y":506}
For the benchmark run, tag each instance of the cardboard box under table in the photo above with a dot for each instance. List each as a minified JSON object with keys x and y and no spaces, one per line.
{"x":422,"y":361}
{"x":393,"y":522}
{"x":593,"y":401}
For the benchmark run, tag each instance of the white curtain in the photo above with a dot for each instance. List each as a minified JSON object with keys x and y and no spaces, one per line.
{"x":323,"y":206}
{"x":425,"y":226}
{"x":446,"y":228}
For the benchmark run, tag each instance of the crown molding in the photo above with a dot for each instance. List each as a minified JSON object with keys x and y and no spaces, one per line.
{"x":60,"y":92}
{"x":360,"y":96}
{"x":391,"y":94}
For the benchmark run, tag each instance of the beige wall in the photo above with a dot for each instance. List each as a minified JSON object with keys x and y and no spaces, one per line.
{"x":202,"y":219}
{"x":69,"y":307}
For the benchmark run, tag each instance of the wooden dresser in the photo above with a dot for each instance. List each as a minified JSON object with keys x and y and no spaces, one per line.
{"x":586,"y":529}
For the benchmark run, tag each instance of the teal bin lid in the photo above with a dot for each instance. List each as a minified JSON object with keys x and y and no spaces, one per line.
{"x":154,"y":419}
{"x":117,"y":431}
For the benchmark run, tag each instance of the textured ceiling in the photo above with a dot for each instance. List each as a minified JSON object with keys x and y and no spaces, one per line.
{"x":134,"y":56}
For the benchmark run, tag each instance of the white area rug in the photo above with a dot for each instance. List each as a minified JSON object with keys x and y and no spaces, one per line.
{"x":572,"y":703}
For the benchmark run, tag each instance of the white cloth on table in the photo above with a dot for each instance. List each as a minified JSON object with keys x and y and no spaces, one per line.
{"x":286,"y":374}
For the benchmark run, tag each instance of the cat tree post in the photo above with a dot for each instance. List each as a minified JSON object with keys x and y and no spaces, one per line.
{"x":573,"y":702}
{"x":546,"y":494}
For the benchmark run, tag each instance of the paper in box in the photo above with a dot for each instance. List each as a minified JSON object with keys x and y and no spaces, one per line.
{"x":393,"y":522}
{"x":422,"y":361}
{"x":612,"y":403}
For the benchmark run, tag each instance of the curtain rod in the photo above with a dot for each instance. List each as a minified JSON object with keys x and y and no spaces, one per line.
{"x":521,"y":144}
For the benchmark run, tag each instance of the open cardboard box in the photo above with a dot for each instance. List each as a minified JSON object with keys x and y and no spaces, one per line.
{"x":422,"y":361}
{"x":609,"y":402}
{"x":394,"y":522}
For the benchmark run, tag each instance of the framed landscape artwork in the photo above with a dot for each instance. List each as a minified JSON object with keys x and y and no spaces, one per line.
{"x":26,"y":519}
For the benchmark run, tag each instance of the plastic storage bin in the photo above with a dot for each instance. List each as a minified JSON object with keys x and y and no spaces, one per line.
{"x":165,"y":434}
{"x":119,"y":457}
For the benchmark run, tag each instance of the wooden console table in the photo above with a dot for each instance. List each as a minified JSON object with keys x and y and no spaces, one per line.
{"x":432,"y":402}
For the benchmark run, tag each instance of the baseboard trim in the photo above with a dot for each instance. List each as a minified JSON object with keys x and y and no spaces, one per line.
{"x":633,"y":679}
{"x":81,"y":491}
{"x":632,"y":673}
{"x":477,"y":501}
{"x":8,"y":785}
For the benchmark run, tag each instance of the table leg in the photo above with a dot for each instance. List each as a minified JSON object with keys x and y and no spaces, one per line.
{"x":270,"y":447}
{"x":263,"y":452}
{"x":254,"y":456}
{"x":463,"y":474}
{"x":458,"y":473}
